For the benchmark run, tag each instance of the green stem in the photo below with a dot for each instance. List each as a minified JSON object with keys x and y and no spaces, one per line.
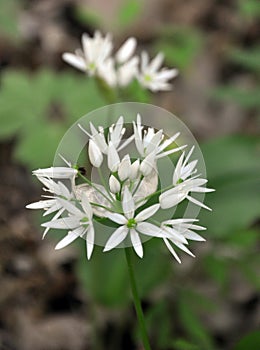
{"x":137,"y":301}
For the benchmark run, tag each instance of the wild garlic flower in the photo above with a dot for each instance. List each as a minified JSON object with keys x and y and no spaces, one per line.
{"x":150,"y":75}
{"x":129,"y":197}
{"x":184,"y":181}
{"x":120,"y":68}
{"x":96,"y":59}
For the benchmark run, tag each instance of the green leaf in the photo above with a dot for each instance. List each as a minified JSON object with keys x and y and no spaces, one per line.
{"x":128,"y":12}
{"x":8,"y":17}
{"x":249,"y":341}
{"x":249,"y":59}
{"x":182,"y":344}
{"x":179,"y":45}
{"x":105,"y":276}
{"x":233,"y":170}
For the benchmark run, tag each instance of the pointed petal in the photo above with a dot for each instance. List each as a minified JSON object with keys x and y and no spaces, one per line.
{"x":195,"y":201}
{"x":71,"y":208}
{"x":168,"y":245}
{"x":75,"y":61}
{"x":136,"y":242}
{"x":128,"y":204}
{"x":90,"y":240}
{"x":116,"y":238}
{"x":126,"y":50}
{"x":150,"y":230}
{"x":71,"y":236}
{"x":147,"y":213}
{"x":118,"y":218}
{"x":113,"y":159}
{"x":63,"y":223}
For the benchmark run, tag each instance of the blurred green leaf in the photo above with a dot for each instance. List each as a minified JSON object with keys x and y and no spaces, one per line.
{"x":250,"y":341}
{"x":40,"y":107}
{"x":181,"y":344}
{"x":249,"y":59}
{"x":105,"y":276}
{"x":192,"y":324}
{"x":233,"y":170}
{"x":129,"y":12}
{"x":179,"y":45}
{"x":86,"y":16}
{"x":249,"y":8}
{"x":217,"y":268}
{"x":9,"y":17}
{"x":246,"y":98}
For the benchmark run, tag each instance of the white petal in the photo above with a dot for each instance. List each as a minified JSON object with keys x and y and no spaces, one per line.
{"x":195,"y":201}
{"x":90,"y":241}
{"x":167,"y":74}
{"x":126,"y":50}
{"x":156,"y":62}
{"x":118,"y":218}
{"x":184,"y":248}
{"x":147,"y":213}
{"x":136,"y":242}
{"x":150,"y":230}
{"x":64,"y":223}
{"x":171,"y":198}
{"x":124,"y":168}
{"x":116,"y":238}
{"x":71,"y":236}
{"x":86,"y":206}
{"x":71,"y":208}
{"x":113,"y":159}
{"x":148,"y":164}
{"x":128,"y":204}
{"x":193,"y":236}
{"x":154,"y":142}
{"x":95,"y":155}
{"x":56,"y":216}
{"x":41,"y":204}
{"x":134,"y":169}
{"x":75,"y":61}
{"x":56,"y":172}
{"x":114,"y":184}
{"x":168,"y":245}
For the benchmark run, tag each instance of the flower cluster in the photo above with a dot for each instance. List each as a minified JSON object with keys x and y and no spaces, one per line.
{"x":96,"y":58}
{"x":123,"y":197}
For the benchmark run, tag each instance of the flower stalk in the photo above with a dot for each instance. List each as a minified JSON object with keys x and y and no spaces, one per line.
{"x":137,"y":301}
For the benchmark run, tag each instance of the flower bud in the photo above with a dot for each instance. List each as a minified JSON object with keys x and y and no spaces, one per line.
{"x":114,"y":184}
{"x":134,"y":168}
{"x":95,"y":155}
{"x":124,"y":168}
{"x":148,"y":164}
{"x":113,"y":159}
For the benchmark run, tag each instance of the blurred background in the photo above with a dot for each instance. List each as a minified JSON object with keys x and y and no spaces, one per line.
{"x":56,"y":300}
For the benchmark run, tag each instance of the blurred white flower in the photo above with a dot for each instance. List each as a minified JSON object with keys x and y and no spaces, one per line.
{"x":152,"y":77}
{"x":95,"y":52}
{"x":120,"y":68}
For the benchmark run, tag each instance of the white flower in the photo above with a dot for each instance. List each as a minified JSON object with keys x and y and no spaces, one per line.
{"x":95,"y":52}
{"x":149,"y":141}
{"x":51,"y":205}
{"x":181,"y":230}
{"x":79,"y":223}
{"x":115,"y":135}
{"x":184,"y":182}
{"x":151,"y":77}
{"x":133,"y":224}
